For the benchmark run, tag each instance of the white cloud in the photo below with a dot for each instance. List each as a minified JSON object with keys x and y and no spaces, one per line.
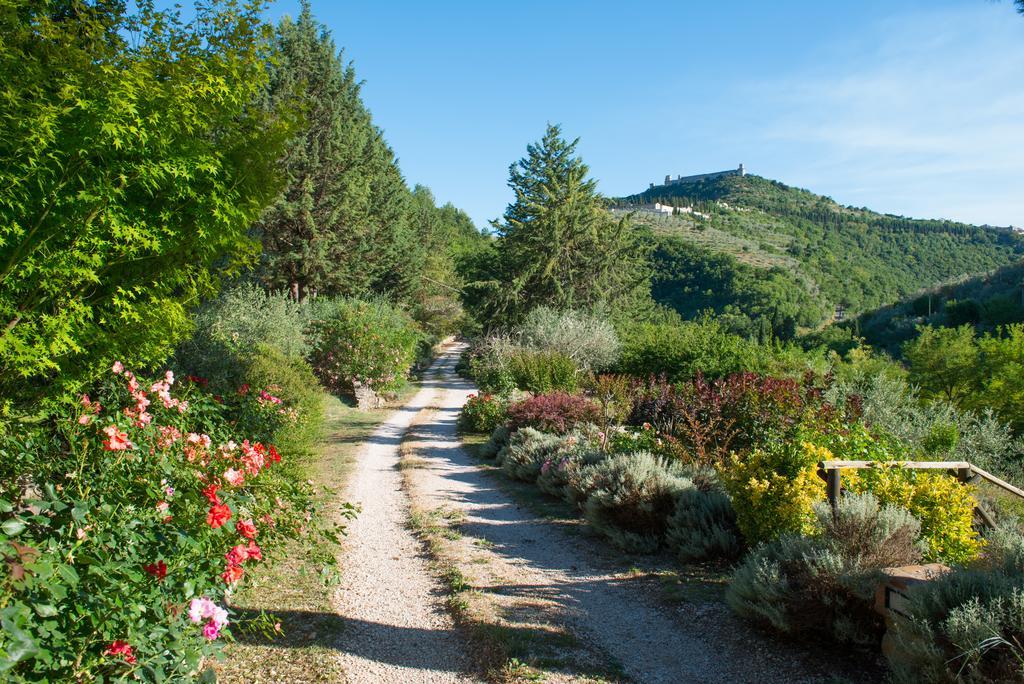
{"x":927,"y":113}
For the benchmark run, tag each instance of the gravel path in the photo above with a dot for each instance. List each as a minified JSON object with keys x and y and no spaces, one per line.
{"x":396,"y":625}
{"x":651,"y":642}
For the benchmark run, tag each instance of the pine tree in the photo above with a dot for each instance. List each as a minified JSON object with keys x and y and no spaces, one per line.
{"x":557,"y":245}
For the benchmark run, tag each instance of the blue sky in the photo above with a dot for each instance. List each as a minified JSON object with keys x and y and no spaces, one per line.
{"x":910,"y":107}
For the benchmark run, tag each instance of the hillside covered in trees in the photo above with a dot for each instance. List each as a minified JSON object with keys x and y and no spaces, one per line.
{"x":986,"y":302}
{"x":767,"y":255}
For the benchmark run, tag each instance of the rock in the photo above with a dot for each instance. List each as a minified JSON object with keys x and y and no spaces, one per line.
{"x":366,"y":398}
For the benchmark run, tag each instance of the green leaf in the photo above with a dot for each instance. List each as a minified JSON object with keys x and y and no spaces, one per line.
{"x":13,"y":527}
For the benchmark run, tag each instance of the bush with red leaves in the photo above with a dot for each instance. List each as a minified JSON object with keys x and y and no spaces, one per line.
{"x":557,"y":412}
{"x":736,"y":413}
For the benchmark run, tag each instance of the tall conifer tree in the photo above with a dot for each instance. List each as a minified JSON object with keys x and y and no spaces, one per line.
{"x":340,"y":226}
{"x":557,"y":245}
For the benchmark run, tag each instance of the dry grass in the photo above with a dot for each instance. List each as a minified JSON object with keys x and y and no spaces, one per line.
{"x":291,"y":589}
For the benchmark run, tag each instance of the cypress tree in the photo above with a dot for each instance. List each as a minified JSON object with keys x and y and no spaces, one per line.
{"x":340,"y":226}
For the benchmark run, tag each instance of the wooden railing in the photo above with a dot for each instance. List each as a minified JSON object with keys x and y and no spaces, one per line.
{"x":831,"y":472}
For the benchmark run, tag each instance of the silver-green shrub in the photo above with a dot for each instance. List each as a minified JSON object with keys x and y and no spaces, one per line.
{"x":588,"y":339}
{"x":497,"y":441}
{"x":526,"y":452}
{"x":232,"y":326}
{"x":968,"y":625}
{"x":703,"y":525}
{"x":824,"y":584}
{"x":631,"y":499}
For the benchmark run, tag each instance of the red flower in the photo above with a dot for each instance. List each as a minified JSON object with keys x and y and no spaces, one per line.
{"x":195,"y":380}
{"x":123,"y":649}
{"x":243,"y":390}
{"x":158,"y":570}
{"x":218,"y":515}
{"x":246,"y":528}
{"x":210,"y":493}
{"x":237,"y":555}
{"x":254,"y":552}
{"x":232,"y":574}
{"x":274,"y":456}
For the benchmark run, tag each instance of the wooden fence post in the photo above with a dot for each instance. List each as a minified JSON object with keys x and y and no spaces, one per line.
{"x":833,"y":487}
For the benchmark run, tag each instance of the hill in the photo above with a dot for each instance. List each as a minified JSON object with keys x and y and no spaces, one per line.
{"x":770,"y":254}
{"x":985,"y":301}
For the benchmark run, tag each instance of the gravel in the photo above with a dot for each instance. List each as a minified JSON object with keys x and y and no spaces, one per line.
{"x":396,"y":625}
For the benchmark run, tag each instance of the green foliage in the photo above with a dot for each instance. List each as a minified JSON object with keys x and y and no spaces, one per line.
{"x":131,"y":171}
{"x":482,"y":414}
{"x":556,"y":246}
{"x":228,"y":329}
{"x":361,"y":343}
{"x":943,"y":361}
{"x":838,"y":255}
{"x":995,"y":299}
{"x":109,"y":528}
{"x":967,"y":625}
{"x":342,"y":224}
{"x":753,"y":302}
{"x":631,"y":498}
{"x":703,"y":525}
{"x":589,"y":340}
{"x":825,"y":583}
{"x":542,"y":372}
{"x":269,"y":370}
{"x":681,"y":351}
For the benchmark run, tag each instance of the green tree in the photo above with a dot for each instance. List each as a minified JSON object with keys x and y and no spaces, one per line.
{"x":944,"y":362}
{"x":1002,"y":375}
{"x":557,"y":245}
{"x":130,"y":171}
{"x":340,"y":226}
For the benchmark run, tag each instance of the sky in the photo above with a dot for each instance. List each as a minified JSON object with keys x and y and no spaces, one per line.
{"x":902,"y":106}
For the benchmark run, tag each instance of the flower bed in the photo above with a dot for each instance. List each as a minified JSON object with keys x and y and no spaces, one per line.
{"x":125,"y":526}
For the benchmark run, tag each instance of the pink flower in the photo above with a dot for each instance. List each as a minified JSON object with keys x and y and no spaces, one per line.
{"x":234,"y":477}
{"x":200,"y":609}
{"x":116,"y":440}
{"x":162,"y":506}
{"x":211,"y":631}
{"x":84,"y":419}
{"x":117,"y":368}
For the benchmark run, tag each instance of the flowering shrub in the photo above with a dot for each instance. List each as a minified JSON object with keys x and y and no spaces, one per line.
{"x":362,"y":343}
{"x":944,"y":506}
{"x":621,"y":440}
{"x":557,"y":412}
{"x":124,"y":525}
{"x":482,"y":414}
{"x":774,"y":489}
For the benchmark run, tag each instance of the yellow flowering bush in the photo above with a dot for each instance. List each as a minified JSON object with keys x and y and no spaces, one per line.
{"x":774,"y":488}
{"x":944,"y":506}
